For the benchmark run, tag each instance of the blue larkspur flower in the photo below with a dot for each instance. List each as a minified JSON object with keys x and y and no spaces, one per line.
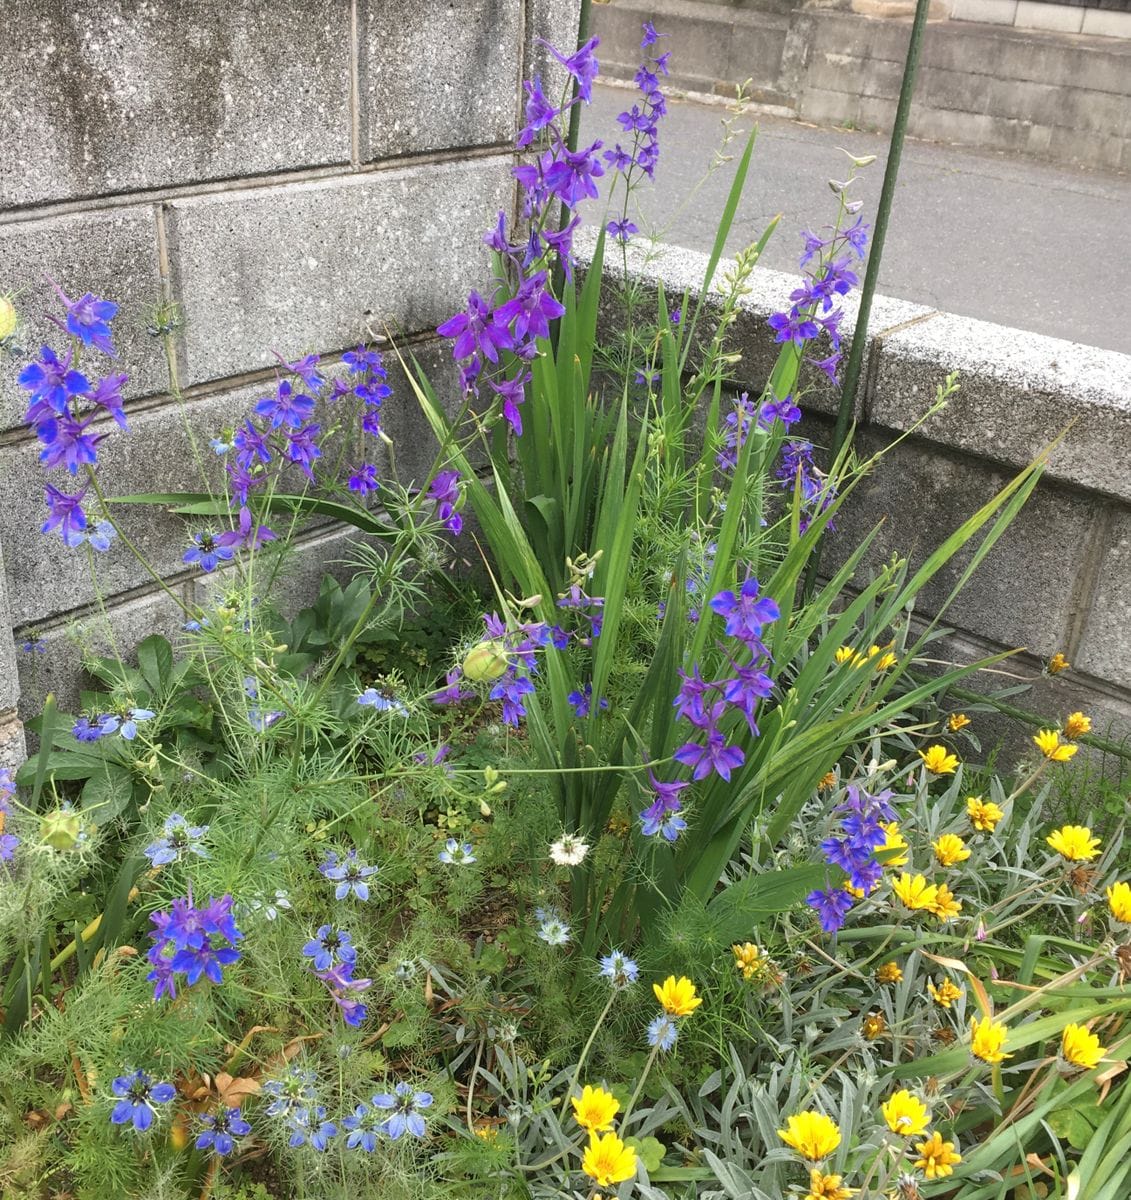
{"x":138,"y":1093}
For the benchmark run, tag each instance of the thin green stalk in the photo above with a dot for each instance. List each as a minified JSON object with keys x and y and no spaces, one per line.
{"x":585,"y":1053}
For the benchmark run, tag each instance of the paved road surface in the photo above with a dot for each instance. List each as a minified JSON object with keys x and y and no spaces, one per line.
{"x":1041,"y":247}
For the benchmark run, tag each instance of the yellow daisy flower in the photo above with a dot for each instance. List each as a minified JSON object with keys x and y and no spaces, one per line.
{"x":595,"y":1109}
{"x":813,"y":1135}
{"x":1074,"y":842}
{"x":873,"y":1026}
{"x":914,"y":891}
{"x":945,"y":994}
{"x":893,"y":842}
{"x":950,"y":849}
{"x":957,"y":721}
{"x":1049,"y":744}
{"x":945,"y":904}
{"x":889,"y":972}
{"x":987,"y":1039}
{"x":845,"y":654}
{"x":677,"y":996}
{"x":886,"y":661}
{"x":939,"y":760}
{"x":905,"y":1114}
{"x":936,"y":1158}
{"x":1058,"y":663}
{"x":827,"y":1187}
{"x":984,"y":814}
{"x":1119,"y":901}
{"x":1076,"y":725}
{"x":608,"y":1161}
{"x":1080,"y":1047}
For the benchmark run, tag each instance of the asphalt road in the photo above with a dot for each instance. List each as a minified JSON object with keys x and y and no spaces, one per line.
{"x":1009,"y":240}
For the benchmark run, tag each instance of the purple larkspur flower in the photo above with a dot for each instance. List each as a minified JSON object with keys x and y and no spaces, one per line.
{"x":831,"y":905}
{"x":286,"y":407}
{"x":717,"y":755}
{"x":65,"y":513}
{"x":622,"y":230}
{"x":540,"y":113}
{"x":582,"y":65}
{"x":477,"y":332}
{"x":746,"y":613}
{"x":572,"y":177}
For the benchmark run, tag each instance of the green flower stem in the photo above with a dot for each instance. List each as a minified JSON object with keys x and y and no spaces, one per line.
{"x":585,"y":1053}
{"x":640,"y":1084}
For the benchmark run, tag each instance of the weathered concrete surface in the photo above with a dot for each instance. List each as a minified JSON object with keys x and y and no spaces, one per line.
{"x":148,"y":95}
{"x":1105,"y":649}
{"x":311,"y":265}
{"x":553,"y":21}
{"x":446,"y":78}
{"x":9,"y":689}
{"x":1018,"y":392}
{"x":112,"y":253}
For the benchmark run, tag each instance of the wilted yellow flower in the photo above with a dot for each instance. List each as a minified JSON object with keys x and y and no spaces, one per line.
{"x":905,"y":1113}
{"x":677,"y":996}
{"x":487,"y":1133}
{"x":886,"y":661}
{"x":957,"y":721}
{"x":811,"y":1134}
{"x":595,"y":1108}
{"x":889,"y":972}
{"x":893,"y":842}
{"x":914,"y":890}
{"x":1074,"y":842}
{"x":873,"y":1026}
{"x":1080,"y":1047}
{"x":939,"y":760}
{"x":984,"y":814}
{"x":827,"y":1187}
{"x":945,"y":994}
{"x":950,"y":849}
{"x":607,"y":1160}
{"x":945,"y":905}
{"x":987,"y":1040}
{"x":749,"y":959}
{"x":1076,"y":725}
{"x":1119,"y":901}
{"x":1058,"y":663}
{"x":936,"y":1157}
{"x":1049,"y":744}
{"x":827,"y":781}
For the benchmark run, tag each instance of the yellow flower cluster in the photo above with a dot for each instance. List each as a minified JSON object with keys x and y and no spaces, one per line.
{"x":827,"y":1187}
{"x":957,"y":721}
{"x":879,"y":656}
{"x":607,"y":1160}
{"x":889,"y":972}
{"x":984,"y":814}
{"x":1058,"y":663}
{"x":919,"y":895}
{"x":907,"y":1116}
{"x":945,"y":994}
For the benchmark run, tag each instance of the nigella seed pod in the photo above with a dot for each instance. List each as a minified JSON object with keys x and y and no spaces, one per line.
{"x":8,"y":318}
{"x":485,"y":661}
{"x":61,"y":829}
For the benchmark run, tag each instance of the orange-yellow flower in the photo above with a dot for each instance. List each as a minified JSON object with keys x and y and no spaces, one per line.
{"x":1049,"y":744}
{"x":886,"y":661}
{"x":987,"y":1040}
{"x":945,"y":904}
{"x":607,"y":1160}
{"x":1119,"y":901}
{"x":1080,"y":1047}
{"x":1074,"y":842}
{"x":957,"y":721}
{"x":984,"y":814}
{"x":1058,"y":663}
{"x":827,"y":781}
{"x":905,"y":1114}
{"x":915,"y":891}
{"x":889,"y":972}
{"x":950,"y":849}
{"x":827,"y":1187}
{"x":595,"y":1109}
{"x":749,"y":959}
{"x":945,"y":994}
{"x":813,"y":1135}
{"x":887,"y":852}
{"x":873,"y":1026}
{"x":1076,"y":725}
{"x":939,"y":760}
{"x":677,"y":996}
{"x":936,"y":1157}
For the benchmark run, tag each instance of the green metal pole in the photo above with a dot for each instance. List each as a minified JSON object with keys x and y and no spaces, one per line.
{"x":879,"y":233}
{"x":582,"y":38}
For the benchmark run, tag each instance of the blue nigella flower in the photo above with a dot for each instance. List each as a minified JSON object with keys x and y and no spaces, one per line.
{"x":125,"y":723}
{"x":662,"y":1032}
{"x":407,"y":1106}
{"x":309,"y":1127}
{"x":87,"y":730}
{"x":138,"y":1093}
{"x":179,"y":838}
{"x":363,"y":1125}
{"x":457,"y":854}
{"x":293,"y":1090}
{"x":349,"y":875}
{"x":207,"y":553}
{"x":380,"y":702}
{"x":328,"y":947}
{"x":221,"y":1131}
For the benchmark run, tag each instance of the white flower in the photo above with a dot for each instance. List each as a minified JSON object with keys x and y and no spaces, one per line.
{"x":569,"y":850}
{"x":459,"y":855}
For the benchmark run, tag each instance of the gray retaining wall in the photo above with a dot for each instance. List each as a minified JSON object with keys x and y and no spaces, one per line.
{"x":1059,"y":96}
{"x":1060,"y":578}
{"x":292,"y":174}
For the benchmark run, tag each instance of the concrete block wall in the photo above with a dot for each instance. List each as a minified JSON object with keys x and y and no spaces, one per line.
{"x":1060,"y":578}
{"x":1059,"y":96}
{"x":292,"y":174}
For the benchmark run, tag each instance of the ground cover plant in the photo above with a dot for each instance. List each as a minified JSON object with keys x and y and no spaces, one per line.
{"x":627,"y":864}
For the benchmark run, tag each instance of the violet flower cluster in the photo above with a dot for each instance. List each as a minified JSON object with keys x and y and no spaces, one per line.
{"x":747,"y":414}
{"x":498,"y":332}
{"x":853,"y":851}
{"x":333,"y":960}
{"x":123,"y":722}
{"x":64,"y":406}
{"x":796,"y":470}
{"x":8,"y":840}
{"x":185,"y":943}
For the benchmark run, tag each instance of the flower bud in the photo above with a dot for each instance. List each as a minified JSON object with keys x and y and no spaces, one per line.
{"x":8,"y":318}
{"x":485,"y":661}
{"x":61,"y":829}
